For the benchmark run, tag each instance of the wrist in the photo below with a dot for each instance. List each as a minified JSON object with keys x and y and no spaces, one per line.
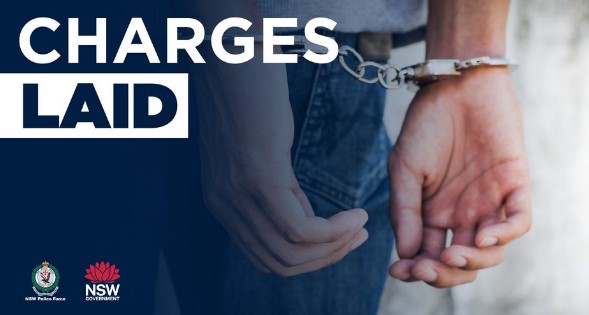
{"x":435,"y":70}
{"x":466,"y":49}
{"x":488,"y":82}
{"x":498,"y":79}
{"x":464,"y":29}
{"x":480,"y":78}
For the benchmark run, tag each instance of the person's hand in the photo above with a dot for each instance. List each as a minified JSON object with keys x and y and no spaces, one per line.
{"x":249,"y":185}
{"x":269,"y":217}
{"x":459,"y":165}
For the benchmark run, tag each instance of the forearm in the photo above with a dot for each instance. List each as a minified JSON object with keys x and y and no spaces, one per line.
{"x":462,"y":29}
{"x":244,"y":113}
{"x":244,"y":109}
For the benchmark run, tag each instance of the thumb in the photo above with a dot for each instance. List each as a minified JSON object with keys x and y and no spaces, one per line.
{"x":518,"y":221}
{"x":406,"y":187}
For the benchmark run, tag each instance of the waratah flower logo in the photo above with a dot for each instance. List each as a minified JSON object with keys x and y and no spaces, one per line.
{"x":102,"y":273}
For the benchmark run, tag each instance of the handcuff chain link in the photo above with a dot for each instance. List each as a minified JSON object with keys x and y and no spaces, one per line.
{"x":392,"y":77}
{"x":388,"y":75}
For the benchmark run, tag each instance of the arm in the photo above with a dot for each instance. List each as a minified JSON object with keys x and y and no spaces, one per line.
{"x":246,"y":132}
{"x":459,"y":163}
{"x":462,"y":29}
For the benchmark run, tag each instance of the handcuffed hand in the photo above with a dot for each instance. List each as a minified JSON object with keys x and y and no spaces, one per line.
{"x":459,"y":165}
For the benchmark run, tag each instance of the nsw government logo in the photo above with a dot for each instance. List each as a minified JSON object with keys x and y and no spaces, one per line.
{"x":103,"y":288}
{"x":45,"y":278}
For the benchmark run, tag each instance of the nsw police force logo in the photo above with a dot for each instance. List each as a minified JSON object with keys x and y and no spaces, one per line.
{"x":45,"y":278}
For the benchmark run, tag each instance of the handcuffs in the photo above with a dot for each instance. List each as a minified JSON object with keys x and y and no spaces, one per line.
{"x":433,"y":70}
{"x":388,"y":75}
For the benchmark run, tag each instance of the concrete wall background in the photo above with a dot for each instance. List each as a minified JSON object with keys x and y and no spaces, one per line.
{"x":547,"y":271}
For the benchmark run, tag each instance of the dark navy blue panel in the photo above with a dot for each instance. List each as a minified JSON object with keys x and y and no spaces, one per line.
{"x":74,"y":202}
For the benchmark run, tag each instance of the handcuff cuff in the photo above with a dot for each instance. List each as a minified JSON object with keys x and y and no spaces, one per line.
{"x":418,"y":75}
{"x":389,"y":75}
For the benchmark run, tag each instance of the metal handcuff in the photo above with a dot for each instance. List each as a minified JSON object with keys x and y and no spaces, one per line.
{"x":417,"y":75}
{"x":389,"y":75}
{"x":392,"y":77}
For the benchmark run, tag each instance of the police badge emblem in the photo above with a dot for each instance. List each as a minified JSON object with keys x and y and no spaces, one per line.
{"x":45,"y":279}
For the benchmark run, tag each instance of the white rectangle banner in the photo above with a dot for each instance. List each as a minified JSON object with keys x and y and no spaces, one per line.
{"x":53,"y":101}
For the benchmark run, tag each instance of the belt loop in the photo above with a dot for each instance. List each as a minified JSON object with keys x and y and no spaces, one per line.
{"x":375,"y":46}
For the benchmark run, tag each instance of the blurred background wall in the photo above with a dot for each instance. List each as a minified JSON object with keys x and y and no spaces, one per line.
{"x":547,"y":271}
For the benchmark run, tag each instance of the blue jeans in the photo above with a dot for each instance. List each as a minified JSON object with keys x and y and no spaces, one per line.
{"x":339,"y":157}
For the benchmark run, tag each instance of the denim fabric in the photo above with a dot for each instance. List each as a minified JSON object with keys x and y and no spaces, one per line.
{"x":342,"y":143}
{"x":339,"y":155}
{"x":352,"y":286}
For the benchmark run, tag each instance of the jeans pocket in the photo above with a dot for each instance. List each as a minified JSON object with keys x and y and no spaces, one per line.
{"x":342,"y":146}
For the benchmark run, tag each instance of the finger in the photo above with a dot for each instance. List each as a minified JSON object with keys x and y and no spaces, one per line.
{"x":518,"y":221}
{"x":401,"y":270}
{"x":286,"y":212}
{"x":472,"y":258}
{"x":315,"y":265}
{"x":285,"y":251}
{"x":439,"y":275}
{"x":406,"y":188}
{"x":490,"y":220}
{"x":463,"y":237}
{"x":434,"y":241}
{"x":360,"y":238}
{"x":305,"y":203}
{"x":252,"y":243}
{"x":290,"y":254}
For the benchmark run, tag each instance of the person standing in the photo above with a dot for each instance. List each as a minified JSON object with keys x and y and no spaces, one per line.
{"x":293,"y":161}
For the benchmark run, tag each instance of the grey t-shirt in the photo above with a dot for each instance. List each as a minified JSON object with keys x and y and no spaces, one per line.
{"x":353,"y":16}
